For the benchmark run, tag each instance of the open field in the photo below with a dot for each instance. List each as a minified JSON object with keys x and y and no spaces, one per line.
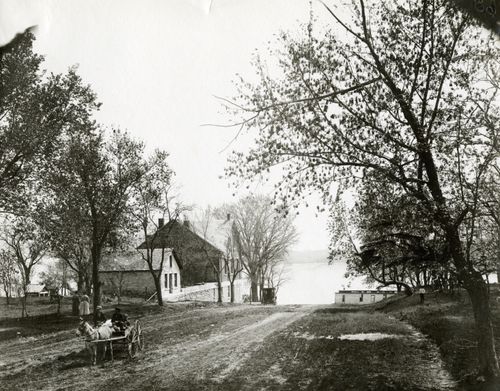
{"x":194,"y":346}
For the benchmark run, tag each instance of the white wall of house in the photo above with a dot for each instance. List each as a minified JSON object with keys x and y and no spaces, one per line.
{"x":171,"y":273}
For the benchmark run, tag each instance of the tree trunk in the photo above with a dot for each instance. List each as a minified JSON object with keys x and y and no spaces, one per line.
{"x":80,"y":283}
{"x":232,"y":291}
{"x":24,"y":302}
{"x":498,"y":254}
{"x":478,"y":292}
{"x":6,"y":289}
{"x":254,"y":290}
{"x":159,"y":296}
{"x":96,"y":258}
{"x":87,"y":286}
{"x":219,"y":290}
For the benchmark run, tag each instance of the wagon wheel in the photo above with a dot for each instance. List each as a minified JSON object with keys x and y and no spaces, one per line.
{"x":135,"y":340}
{"x":139,"y":336}
{"x":131,"y":348}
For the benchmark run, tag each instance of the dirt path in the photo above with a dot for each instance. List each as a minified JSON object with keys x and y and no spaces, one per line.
{"x":215,"y":357}
{"x":200,"y":344}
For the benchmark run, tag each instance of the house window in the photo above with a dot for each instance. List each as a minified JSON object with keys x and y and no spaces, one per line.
{"x":166,"y":280}
{"x":175,"y":279}
{"x":343,"y":298}
{"x":361,"y":298}
{"x":170,"y":260}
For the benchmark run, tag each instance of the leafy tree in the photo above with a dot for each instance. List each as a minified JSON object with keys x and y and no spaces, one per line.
{"x":96,"y":177}
{"x":55,"y":279}
{"x":405,"y":95}
{"x":398,"y":243}
{"x":25,"y":243}
{"x":491,"y":213}
{"x":34,"y":112}
{"x":8,"y":274}
{"x":485,"y":11}
{"x":69,"y":239}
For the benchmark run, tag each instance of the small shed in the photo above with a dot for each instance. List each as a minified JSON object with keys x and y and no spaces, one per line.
{"x":360,"y":297}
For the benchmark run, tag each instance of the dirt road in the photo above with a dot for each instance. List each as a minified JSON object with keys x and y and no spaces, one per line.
{"x":201,"y":344}
{"x":237,"y":348}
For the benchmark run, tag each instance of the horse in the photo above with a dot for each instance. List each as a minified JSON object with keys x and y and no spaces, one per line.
{"x":91,"y":334}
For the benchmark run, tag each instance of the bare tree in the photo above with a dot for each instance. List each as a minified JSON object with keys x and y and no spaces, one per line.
{"x":117,"y":281}
{"x":156,"y":200}
{"x":214,"y":256}
{"x":233,"y":262}
{"x":276,"y":275}
{"x":263,"y":237}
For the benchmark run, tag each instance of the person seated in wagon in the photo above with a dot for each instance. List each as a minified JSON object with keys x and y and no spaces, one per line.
{"x":100,"y":318}
{"x":120,"y":321}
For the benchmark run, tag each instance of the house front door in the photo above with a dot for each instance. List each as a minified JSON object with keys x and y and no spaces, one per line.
{"x":170,"y":287}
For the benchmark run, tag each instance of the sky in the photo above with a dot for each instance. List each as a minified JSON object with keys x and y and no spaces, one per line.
{"x":157,"y":66}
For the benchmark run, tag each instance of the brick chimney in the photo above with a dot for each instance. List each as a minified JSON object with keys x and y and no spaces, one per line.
{"x":186,"y":223}
{"x":161,"y":221}
{"x":228,"y":216}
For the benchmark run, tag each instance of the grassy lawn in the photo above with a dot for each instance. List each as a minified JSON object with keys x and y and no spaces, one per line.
{"x":36,"y":306}
{"x":448,"y":321}
{"x":43,"y":316}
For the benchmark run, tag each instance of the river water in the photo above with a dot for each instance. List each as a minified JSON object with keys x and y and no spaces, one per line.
{"x":314,"y":282}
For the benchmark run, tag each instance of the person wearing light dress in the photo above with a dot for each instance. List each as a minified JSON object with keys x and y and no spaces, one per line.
{"x":85,"y":306}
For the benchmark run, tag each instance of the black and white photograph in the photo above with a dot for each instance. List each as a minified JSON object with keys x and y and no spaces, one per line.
{"x":250,"y":195}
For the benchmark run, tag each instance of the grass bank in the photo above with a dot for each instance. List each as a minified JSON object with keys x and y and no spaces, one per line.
{"x":447,"y":319}
{"x":310,"y":355}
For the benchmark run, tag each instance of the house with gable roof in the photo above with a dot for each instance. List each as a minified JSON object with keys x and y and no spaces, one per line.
{"x":200,"y":247}
{"x":128,"y":274}
{"x":194,"y":260}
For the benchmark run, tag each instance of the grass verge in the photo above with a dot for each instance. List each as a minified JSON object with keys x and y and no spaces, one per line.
{"x":447,"y":319}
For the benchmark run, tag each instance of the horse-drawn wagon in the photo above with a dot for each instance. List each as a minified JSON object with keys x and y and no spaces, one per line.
{"x":106,"y":336}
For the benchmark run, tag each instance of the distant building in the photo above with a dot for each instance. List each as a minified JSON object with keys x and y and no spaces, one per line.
{"x":362,"y":296}
{"x":36,"y":290}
